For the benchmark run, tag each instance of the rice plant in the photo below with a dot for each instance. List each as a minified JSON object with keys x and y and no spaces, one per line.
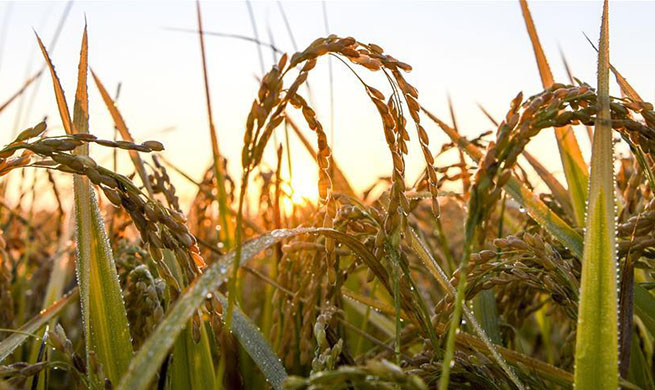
{"x":414,"y":284}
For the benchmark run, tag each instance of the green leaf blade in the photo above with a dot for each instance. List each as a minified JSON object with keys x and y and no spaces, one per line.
{"x":8,"y":345}
{"x":573,"y":164}
{"x":596,"y":352}
{"x":253,"y":341}
{"x":192,"y":366}
{"x":104,"y":317}
{"x":104,"y":312}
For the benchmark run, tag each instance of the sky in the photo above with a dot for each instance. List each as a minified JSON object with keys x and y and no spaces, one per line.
{"x":474,"y":52}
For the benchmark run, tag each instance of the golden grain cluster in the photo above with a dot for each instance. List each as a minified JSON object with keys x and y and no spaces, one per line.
{"x":464,"y":278}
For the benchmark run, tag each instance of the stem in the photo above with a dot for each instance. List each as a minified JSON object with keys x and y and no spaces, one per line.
{"x":218,"y":168}
{"x":237,"y":255}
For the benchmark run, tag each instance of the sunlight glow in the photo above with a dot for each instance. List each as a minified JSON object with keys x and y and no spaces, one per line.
{"x":299,"y":193}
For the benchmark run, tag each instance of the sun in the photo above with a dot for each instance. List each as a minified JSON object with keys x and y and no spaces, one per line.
{"x":301,"y":191}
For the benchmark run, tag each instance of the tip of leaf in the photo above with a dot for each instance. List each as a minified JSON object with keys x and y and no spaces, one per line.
{"x":38,"y":38}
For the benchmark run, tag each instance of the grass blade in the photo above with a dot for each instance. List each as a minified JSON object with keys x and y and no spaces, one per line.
{"x":192,"y":366}
{"x":253,"y":341}
{"x":626,"y":312}
{"x":645,"y":307}
{"x":569,"y":73}
{"x":20,"y":91}
{"x":544,"y":216}
{"x":119,"y":122}
{"x":542,"y":62}
{"x":574,"y":166}
{"x":640,"y":373}
{"x":107,"y":332}
{"x":8,"y":345}
{"x":104,"y":317}
{"x":558,"y":191}
{"x":102,"y":304}
{"x":223,"y":206}
{"x":626,"y":88}
{"x":630,"y":92}
{"x":64,"y":113}
{"x":596,"y":352}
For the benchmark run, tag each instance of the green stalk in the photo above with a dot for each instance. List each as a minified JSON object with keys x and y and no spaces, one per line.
{"x":238,"y":250}
{"x":396,"y":303}
{"x":218,"y":167}
{"x":457,"y":312}
{"x":267,"y":320}
{"x":365,"y":319}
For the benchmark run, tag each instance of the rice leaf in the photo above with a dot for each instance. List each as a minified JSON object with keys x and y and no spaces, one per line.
{"x":485,"y":302}
{"x":221,"y":193}
{"x":557,"y":189}
{"x":58,"y":276}
{"x":60,"y":264}
{"x":483,"y":343}
{"x":645,"y":307}
{"x":640,"y":373}
{"x":64,"y":113}
{"x":630,"y":92}
{"x":574,"y":166}
{"x":544,"y":216}
{"x":119,"y":122}
{"x":104,"y":317}
{"x":106,"y":327}
{"x":596,"y":352}
{"x":254,"y":342}
{"x":192,"y":366}
{"x":626,"y":88}
{"x":362,"y":305}
{"x":542,"y":62}
{"x":572,"y":80}
{"x":626,"y":312}
{"x":8,"y":345}
{"x":20,"y":91}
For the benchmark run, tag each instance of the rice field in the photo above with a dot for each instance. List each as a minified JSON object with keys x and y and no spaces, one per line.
{"x":465,"y":277}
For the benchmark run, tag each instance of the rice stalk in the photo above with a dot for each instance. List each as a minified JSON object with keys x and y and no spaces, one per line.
{"x":226,"y":227}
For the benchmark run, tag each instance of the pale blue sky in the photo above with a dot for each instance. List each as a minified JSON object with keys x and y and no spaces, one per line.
{"x":474,"y":51}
